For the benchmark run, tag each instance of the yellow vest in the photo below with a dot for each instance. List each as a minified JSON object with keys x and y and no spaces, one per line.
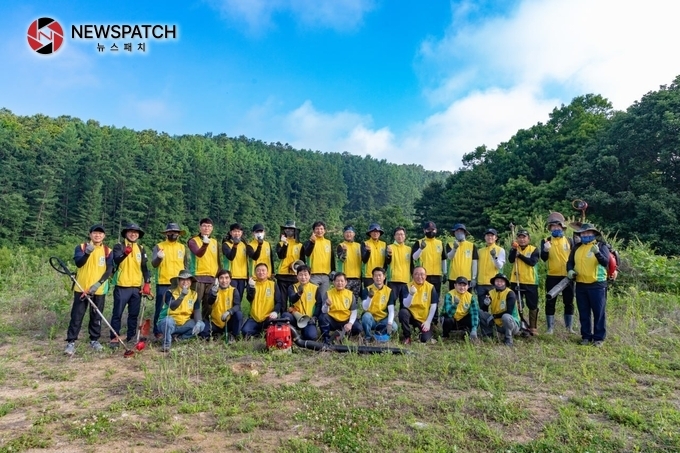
{"x":376,"y":258}
{"x":486,"y":270}
{"x":307,"y":300}
{"x":400,"y":267}
{"x":352,"y":264}
{"x":183,"y":313}
{"x":461,"y":264}
{"x":499,"y":304}
{"x":224,"y":302}
{"x":320,"y":259}
{"x":130,"y":269}
{"x":93,"y":270}
{"x":527,"y":274}
{"x":431,"y":257}
{"x":464,"y":302}
{"x":341,"y":304}
{"x":378,"y":306}
{"x":264,"y":302}
{"x":206,"y":265}
{"x":293,"y":252}
{"x":265,"y":257}
{"x":588,"y":270}
{"x":239,"y":266}
{"x":175,"y":253}
{"x":420,"y":304}
{"x":558,"y":255}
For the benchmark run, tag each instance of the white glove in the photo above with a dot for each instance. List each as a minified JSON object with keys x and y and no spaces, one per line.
{"x":546,"y":246}
{"x":160,"y":254}
{"x":412,"y":290}
{"x":89,"y":248}
{"x":206,"y":240}
{"x":198,"y":328}
{"x":273,"y":315}
{"x":487,"y":300}
{"x":214,"y":289}
{"x":284,"y":239}
{"x":251,"y":282}
{"x":226,"y":315}
{"x":184,"y":291}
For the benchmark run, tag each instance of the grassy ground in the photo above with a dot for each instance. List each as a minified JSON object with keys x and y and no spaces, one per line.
{"x":546,"y":394}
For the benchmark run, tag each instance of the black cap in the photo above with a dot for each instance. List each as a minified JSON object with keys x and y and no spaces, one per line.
{"x":523,"y":233}
{"x":97,"y":227}
{"x":462,"y":280}
{"x":132,"y":227}
{"x":258,"y":227}
{"x":349,"y":228}
{"x":491,"y":231}
{"x":429,"y":225}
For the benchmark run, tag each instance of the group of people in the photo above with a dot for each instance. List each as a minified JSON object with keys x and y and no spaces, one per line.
{"x":200,"y":286}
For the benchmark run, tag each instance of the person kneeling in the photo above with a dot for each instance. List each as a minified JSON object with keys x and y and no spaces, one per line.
{"x":461,"y":310}
{"x":503,"y":314}
{"x":265,"y":302}
{"x":339,"y":310}
{"x":420,"y":307}
{"x":180,"y":305}
{"x":378,"y":304}
{"x":225,"y":316}
{"x":305,"y":300}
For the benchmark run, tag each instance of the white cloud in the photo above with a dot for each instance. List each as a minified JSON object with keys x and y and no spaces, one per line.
{"x":257,"y":15}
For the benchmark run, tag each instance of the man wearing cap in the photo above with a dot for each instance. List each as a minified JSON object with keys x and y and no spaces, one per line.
{"x":349,"y":260}
{"x":555,"y":251}
{"x":419,"y":307}
{"x":266,"y":303}
{"x":131,"y":280}
{"x":463,"y":257}
{"x":235,"y":260}
{"x":260,"y":251}
{"x":321,"y":259}
{"x":524,"y":276}
{"x":204,"y":262}
{"x":502,"y":310}
{"x":168,"y":258}
{"x":225,"y":315}
{"x":399,"y":264}
{"x":587,"y":265}
{"x":429,"y":253}
{"x":304,"y":298}
{"x":378,"y":303}
{"x":491,"y":261}
{"x":181,"y":314}
{"x":289,"y":251}
{"x":94,"y":261}
{"x":461,"y":310}
{"x":373,"y":252}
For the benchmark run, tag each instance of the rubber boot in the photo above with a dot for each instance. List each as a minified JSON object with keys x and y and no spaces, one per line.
{"x":568,"y":322}
{"x":550,"y":324}
{"x":533,"y":322}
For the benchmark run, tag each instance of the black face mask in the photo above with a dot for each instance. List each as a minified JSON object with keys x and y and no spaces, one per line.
{"x":430,"y":234}
{"x":173,"y":237}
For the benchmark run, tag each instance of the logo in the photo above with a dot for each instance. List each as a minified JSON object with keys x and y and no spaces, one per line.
{"x":45,"y":35}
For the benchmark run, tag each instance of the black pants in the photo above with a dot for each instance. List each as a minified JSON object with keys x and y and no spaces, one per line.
{"x":436,"y":281}
{"x":482,"y":291}
{"x":240,"y":285}
{"x":327,"y":323}
{"x":202,"y":294}
{"x":284,"y":282}
{"x":529,"y":294}
{"x":399,"y":289}
{"x":78,"y":310}
{"x":407,"y":321}
{"x":567,"y":296}
{"x":354,"y":285}
{"x":449,"y":324}
{"x":160,"y":301}
{"x":123,"y":296}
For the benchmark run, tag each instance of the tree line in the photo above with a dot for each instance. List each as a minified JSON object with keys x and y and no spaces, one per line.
{"x":625,"y":164}
{"x":60,"y":175}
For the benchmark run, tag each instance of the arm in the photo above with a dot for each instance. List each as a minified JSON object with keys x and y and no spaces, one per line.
{"x":448,"y":309}
{"x":237,"y":303}
{"x":281,"y":250}
{"x":416,"y":251}
{"x":228,"y":251}
{"x":195,"y":249}
{"x":308,"y":247}
{"x":531,"y":260}
{"x":118,"y":253}
{"x":475,"y":267}
{"x":365,"y":253}
{"x":544,"y":253}
{"x":317,"y":304}
{"x":474,"y":313}
{"x":450,"y":251}
{"x":293,"y":295}
{"x":145,"y":267}
{"x":79,"y":256}
{"x":250,"y":293}
{"x":366,"y":302}
{"x":173,"y":303}
{"x":509,"y":305}
{"x":279,"y":303}
{"x":513,"y":255}
{"x":499,"y":262}
{"x":603,"y":255}
{"x":254,"y":254}
{"x":155,"y":260}
{"x":109,"y":269}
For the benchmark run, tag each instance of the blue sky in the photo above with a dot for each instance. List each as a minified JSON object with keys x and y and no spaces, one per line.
{"x":406,"y":81}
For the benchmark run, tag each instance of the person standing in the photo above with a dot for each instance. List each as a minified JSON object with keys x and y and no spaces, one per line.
{"x":260,"y":251}
{"x":204,"y":263}
{"x":491,"y":262}
{"x":321,"y":259}
{"x":168,"y":258}
{"x":524,"y":278}
{"x":399,"y":264}
{"x":94,"y":261}
{"x":349,"y":260}
{"x":462,"y":255}
{"x":373,"y":253}
{"x":235,"y":254}
{"x":288,"y":250}
{"x":429,"y":254}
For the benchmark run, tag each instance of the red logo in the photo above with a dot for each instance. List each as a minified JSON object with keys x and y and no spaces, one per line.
{"x":45,"y":35}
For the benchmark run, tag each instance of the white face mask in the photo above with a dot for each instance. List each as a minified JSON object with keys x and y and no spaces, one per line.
{"x":259,"y":235}
{"x":460,"y":236}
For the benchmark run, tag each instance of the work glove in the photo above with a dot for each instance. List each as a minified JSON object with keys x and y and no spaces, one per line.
{"x":456,"y":244}
{"x":473,"y":283}
{"x":389,"y":250}
{"x":89,"y":248}
{"x":546,"y":246}
{"x":331,"y":276}
{"x":412,"y":290}
{"x":422,"y":244}
{"x":571,"y":274}
{"x":251,"y":282}
{"x":301,"y":290}
{"x":146,"y":289}
{"x":371,"y":292}
{"x":226,"y":315}
{"x":198,"y":328}
{"x":473,"y":335}
{"x":215,"y":288}
{"x":160,"y":254}
{"x":515,"y":245}
{"x":284,"y":239}
{"x":389,"y":328}
{"x":236,"y":241}
{"x":595,"y":249}
{"x":206,"y":240}
{"x":456,"y":300}
{"x":184,"y":292}
{"x":260,"y":240}
{"x":445,"y":278}
{"x":487,"y":300}
{"x":312,"y":321}
{"x":273,"y":315}
{"x":93,"y":289}
{"x":127,"y":250}
{"x":493,"y":253}
{"x":342,"y":256}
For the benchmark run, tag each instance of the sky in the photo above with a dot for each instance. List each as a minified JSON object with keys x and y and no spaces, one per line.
{"x":406,"y":81}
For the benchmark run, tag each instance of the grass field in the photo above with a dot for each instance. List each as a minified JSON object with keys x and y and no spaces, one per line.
{"x":546,"y":394}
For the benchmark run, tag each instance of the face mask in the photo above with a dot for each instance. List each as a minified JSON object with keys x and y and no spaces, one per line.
{"x":430,"y":234}
{"x":587,"y":239}
{"x":557,"y":233}
{"x":460,"y":236}
{"x":259,"y":235}
{"x":173,"y":237}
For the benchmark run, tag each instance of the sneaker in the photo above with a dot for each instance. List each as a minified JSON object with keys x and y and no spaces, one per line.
{"x":231,"y":339}
{"x":165,"y":348}
{"x":433,"y":340}
{"x":158,"y":336}
{"x":70,"y":348}
{"x":550,"y":331}
{"x":113,"y":344}
{"x":407,"y":341}
{"x":598,"y":343}
{"x":97,"y":346}
{"x":585,"y":342}
{"x":508,"y":342}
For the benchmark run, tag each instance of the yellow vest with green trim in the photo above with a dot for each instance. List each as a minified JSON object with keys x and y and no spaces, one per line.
{"x":129,"y":273}
{"x":320,"y":259}
{"x":351,"y":267}
{"x":527,"y":274}
{"x":224,"y":302}
{"x":265,"y":257}
{"x":206,"y":265}
{"x":93,"y":270}
{"x":399,"y":270}
{"x":464,"y":302}
{"x":486,"y":270}
{"x":499,"y":305}
{"x":293,"y":252}
{"x":420,"y":304}
{"x":431,"y":257}
{"x":376,"y":258}
{"x":558,"y":255}
{"x":183,"y":313}
{"x":239,"y":266}
{"x":341,"y":303}
{"x":307,"y":300}
{"x":378,"y":305}
{"x":588,"y":270}
{"x":264,"y":302}
{"x":461,"y":264}
{"x":175,"y":253}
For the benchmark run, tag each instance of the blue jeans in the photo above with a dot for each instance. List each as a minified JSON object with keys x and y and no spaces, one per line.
{"x":160,"y":301}
{"x":380,"y":327}
{"x":309,"y":332}
{"x":169,"y":328}
{"x":252,"y":328}
{"x":592,"y":301}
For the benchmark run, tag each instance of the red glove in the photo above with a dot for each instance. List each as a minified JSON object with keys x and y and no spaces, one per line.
{"x":128,"y":250}
{"x":146,"y":289}
{"x":515,"y":245}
